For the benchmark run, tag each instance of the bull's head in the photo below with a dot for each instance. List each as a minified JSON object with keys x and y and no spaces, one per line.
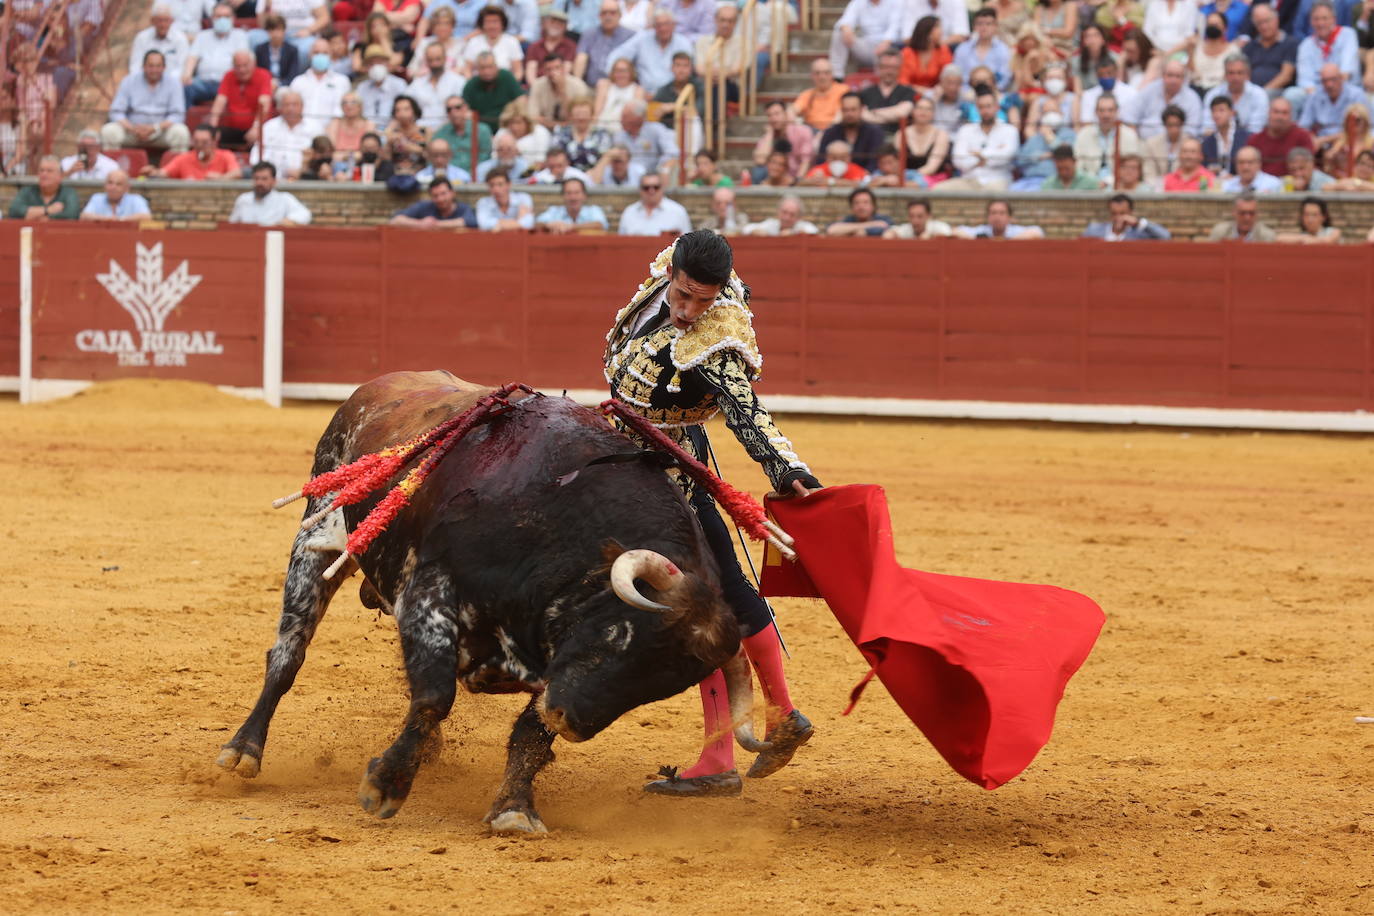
{"x":613,"y":658}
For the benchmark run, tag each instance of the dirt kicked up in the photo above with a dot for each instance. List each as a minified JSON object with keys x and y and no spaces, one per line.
{"x":1205,"y":759}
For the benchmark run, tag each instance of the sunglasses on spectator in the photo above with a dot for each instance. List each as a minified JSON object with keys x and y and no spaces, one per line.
{"x":651,"y":187}
{"x":454,"y":107}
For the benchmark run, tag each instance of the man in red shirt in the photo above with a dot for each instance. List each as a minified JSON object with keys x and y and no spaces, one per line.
{"x":245,"y":91}
{"x":1190,"y":174}
{"x":202,"y":161}
{"x":1279,"y":137}
{"x":838,"y":167}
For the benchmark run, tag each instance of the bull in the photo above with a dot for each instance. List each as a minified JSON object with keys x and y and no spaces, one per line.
{"x":507,"y":573}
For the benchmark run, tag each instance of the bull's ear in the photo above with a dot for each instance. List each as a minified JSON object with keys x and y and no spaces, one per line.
{"x":611,"y":549}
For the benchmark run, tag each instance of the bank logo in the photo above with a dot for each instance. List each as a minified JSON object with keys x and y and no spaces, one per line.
{"x":149,"y":299}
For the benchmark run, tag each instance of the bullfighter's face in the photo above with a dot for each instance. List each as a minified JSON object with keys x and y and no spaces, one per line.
{"x":688,"y":300}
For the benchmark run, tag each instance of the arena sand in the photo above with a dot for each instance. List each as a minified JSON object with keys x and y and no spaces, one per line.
{"x":1205,"y":758}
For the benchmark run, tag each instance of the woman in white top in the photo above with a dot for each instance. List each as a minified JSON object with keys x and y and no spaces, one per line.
{"x":616,"y":91}
{"x":1209,"y":57}
{"x":531,"y":137}
{"x":442,"y":24}
{"x":1140,"y":62}
{"x":492,"y":36}
{"x":635,"y":14}
{"x":1171,"y":25}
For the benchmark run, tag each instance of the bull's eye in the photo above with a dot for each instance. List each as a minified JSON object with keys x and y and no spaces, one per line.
{"x":619,"y":634}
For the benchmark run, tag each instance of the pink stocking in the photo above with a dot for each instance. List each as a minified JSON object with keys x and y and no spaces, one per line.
{"x":718,"y":755}
{"x":765,"y":654}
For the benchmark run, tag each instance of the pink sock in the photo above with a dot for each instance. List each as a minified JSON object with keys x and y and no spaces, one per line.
{"x":765,"y":654}
{"x":719,"y":753}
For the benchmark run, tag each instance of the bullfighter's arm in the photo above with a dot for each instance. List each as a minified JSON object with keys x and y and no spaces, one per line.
{"x":752,"y":425}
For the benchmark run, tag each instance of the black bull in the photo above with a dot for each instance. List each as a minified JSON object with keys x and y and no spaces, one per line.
{"x":505,"y":578}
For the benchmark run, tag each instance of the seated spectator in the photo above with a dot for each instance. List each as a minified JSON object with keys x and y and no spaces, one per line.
{"x":863,"y":219}
{"x":149,"y":110}
{"x":927,"y":145}
{"x":819,"y":106}
{"x":439,"y":156}
{"x":265,"y":205}
{"x":595,"y":46}
{"x":1363,"y":177}
{"x":557,"y":169}
{"x":1031,"y":53}
{"x":999,"y":226}
{"x":372,"y":165}
{"x":837,"y":169}
{"x":651,"y":144}
{"x":492,"y":38}
{"x":584,"y":142}
{"x":346,"y":132}
{"x":1219,"y":148}
{"x":187,"y":16}
{"x":1130,"y":175}
{"x":684,"y":75}
{"x":33,"y":96}
{"x":276,"y":55}
{"x":890,"y":174}
{"x":49,"y":198}
{"x":636,"y":15}
{"x":1123,"y":225}
{"x":490,"y":90}
{"x":724,"y":219}
{"x":442,"y":210}
{"x":706,"y":171}
{"x":553,"y":43}
{"x":652,"y":52}
{"x":776,"y":173}
{"x":203,"y":161}
{"x":305,"y":20}
{"x":1066,"y":175}
{"x":732,"y":56}
{"x":617,"y":170}
{"x":919,"y":225}
{"x":985,"y":49}
{"x":1324,"y":111}
{"x":1057,"y":98}
{"x":1244,"y":225}
{"x":1303,"y":174}
{"x":88,"y":163}
{"x":693,"y":17}
{"x":442,"y":24}
{"x":1248,"y":102}
{"x":1190,"y":174}
{"x":211,"y":56}
{"x":465,"y":13}
{"x":954,"y":16}
{"x":1035,"y":159}
{"x":654,"y":214}
{"x":431,"y":88}
{"x":339,"y":60}
{"x":551,"y":95}
{"x":285,"y":139}
{"x":788,"y":221}
{"x":1314,"y":225}
{"x":1272,"y":53}
{"x":505,"y":155}
{"x":1008,"y":104}
{"x":404,"y":130}
{"x":1354,"y":138}
{"x":1057,"y":20}
{"x":575,"y":214}
{"x":243,"y":101}
{"x":949,"y":100}
{"x":377,"y":34}
{"x":925,"y":55}
{"x":1279,"y":137}
{"x":504,"y":210}
{"x":1160,"y":151}
{"x":1170,"y":89}
{"x":983,"y":152}
{"x":457,"y":133}
{"x":1210,"y":54}
{"x":1095,"y":44}
{"x":531,"y":138}
{"x":161,"y":36}
{"x":403,"y":16}
{"x":1329,"y":45}
{"x":1126,"y":96}
{"x":781,"y":127}
{"x":864,"y":139}
{"x":615,"y":92}
{"x":1249,"y":176}
{"x":320,"y":164}
{"x":864,"y":29}
{"x":889,"y":100}
{"x":321,"y":89}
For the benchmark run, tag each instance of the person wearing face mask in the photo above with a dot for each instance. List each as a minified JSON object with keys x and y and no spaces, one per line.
{"x":381,"y":87}
{"x":1034,"y":159}
{"x":1211,"y":54}
{"x":1109,"y":83}
{"x":321,"y":89}
{"x":211,"y":56}
{"x":837,"y":169}
{"x":1056,"y":98}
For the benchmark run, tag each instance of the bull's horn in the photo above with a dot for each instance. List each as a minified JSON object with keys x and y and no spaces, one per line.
{"x":739,"y":686}
{"x":654,"y":568}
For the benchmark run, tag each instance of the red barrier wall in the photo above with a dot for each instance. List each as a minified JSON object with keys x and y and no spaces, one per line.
{"x":9,"y":298}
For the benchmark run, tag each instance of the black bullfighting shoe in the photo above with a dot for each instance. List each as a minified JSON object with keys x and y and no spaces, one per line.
{"x":791,"y":733}
{"x":716,"y":784}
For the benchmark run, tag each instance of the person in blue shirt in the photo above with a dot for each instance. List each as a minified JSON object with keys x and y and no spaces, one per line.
{"x":116,"y":203}
{"x":442,"y":211}
{"x":575,"y":214}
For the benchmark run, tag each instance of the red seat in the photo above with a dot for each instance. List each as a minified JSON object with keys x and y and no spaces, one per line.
{"x":251,"y":22}
{"x":350,"y":29}
{"x":195,"y":114}
{"x":131,"y":160}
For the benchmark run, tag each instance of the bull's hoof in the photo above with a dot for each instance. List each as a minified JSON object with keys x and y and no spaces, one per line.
{"x":783,"y":740}
{"x":515,"y":821}
{"x":379,"y":795}
{"x":714,"y":785}
{"x":244,"y":763}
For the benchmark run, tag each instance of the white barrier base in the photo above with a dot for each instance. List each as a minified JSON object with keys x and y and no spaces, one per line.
{"x":51,"y":389}
{"x":9,"y":383}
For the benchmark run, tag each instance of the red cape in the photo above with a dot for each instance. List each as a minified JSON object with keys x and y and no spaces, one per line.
{"x":978,"y":665}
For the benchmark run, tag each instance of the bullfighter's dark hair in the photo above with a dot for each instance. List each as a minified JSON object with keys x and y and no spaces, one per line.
{"x":704,"y":256}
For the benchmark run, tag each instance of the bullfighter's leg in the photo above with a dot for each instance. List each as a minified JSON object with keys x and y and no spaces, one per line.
{"x":305,"y":597}
{"x":425,"y":616}
{"x":529,"y":750}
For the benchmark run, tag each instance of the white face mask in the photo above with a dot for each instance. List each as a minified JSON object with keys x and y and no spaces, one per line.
{"x":1052,"y":119}
{"x":838,"y":167}
{"x":377,"y":72}
{"x":1054,"y":85}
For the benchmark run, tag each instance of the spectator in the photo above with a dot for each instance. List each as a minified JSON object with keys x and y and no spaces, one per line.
{"x":1123,"y":225}
{"x":1171,"y":89}
{"x":582,"y":16}
{"x":1209,"y":55}
{"x":652,"y":52}
{"x":927,"y":145}
{"x":1314,"y":225}
{"x":1272,"y":53}
{"x":1030,"y":54}
{"x":276,"y":55}
{"x":530,"y":138}
{"x":819,"y":106}
{"x":1035,"y":159}
{"x":1190,"y":174}
{"x":985,"y":49}
{"x":1161,"y":151}
{"x":1303,"y":174}
{"x":378,"y":91}
{"x":1140,"y":63}
{"x":1249,"y":176}
{"x":733,"y":54}
{"x":863,"y":139}
{"x":775,"y":170}
{"x":1171,"y":25}
{"x":553,"y":43}
{"x":245,"y":96}
{"x":442,"y":23}
{"x":504,"y":210}
{"x":574,"y":214}
{"x":925,"y":56}
{"x":372,"y":165}
{"x":667,"y":94}
{"x":863,"y":219}
{"x":1094,"y":49}
{"x":434,"y":86}
{"x":617,"y":170}
{"x":457,"y":133}
{"x":1324,"y":110}
{"x":583,"y":140}
{"x":863,"y":31}
{"x":635,"y":14}
{"x":378,"y":33}
{"x":1008,"y":104}
{"x":706,"y":171}
{"x":557,"y":169}
{"x":654,"y":214}
{"x":203,"y":161}
{"x":345,"y":133}
{"x":265,"y":205}
{"x":1057,"y":98}
{"x":1220,"y":147}
{"x":1130,"y":174}
{"x":1353,"y":139}
{"x":552,"y":94}
{"x":443,"y":210}
{"x":1098,"y":145}
{"x":693,"y":17}
{"x":211,"y":56}
{"x":1066,"y":175}
{"x":594,"y":48}
{"x":88,"y":163}
{"x":439,"y":158}
{"x":505,"y":155}
{"x":524,"y":19}
{"x":999,"y":226}
{"x":465,"y":13}
{"x":493,"y":38}
{"x":953,"y":16}
{"x":161,"y":36}
{"x":651,"y":145}
{"x":305,"y":19}
{"x":285,"y":139}
{"x":1244,"y":225}
{"x":1362,"y":179}
{"x":890,"y":174}
{"x":615,"y":92}
{"x":1249,"y":102}
{"x":404,"y":131}
{"x":1279,"y":137}
{"x":148,"y":110}
{"x":320,"y":165}
{"x":781,"y":127}
{"x":1234,"y":16}
{"x":983,"y":152}
{"x":1328,"y":45}
{"x":919,"y":226}
{"x":1057,"y":20}
{"x":402,"y":16}
{"x":788,"y":221}
{"x":837,"y":169}
{"x":320,"y":88}
{"x":888,"y":101}
{"x":724,"y":218}
{"x":949,"y":100}
{"x":49,"y":198}
{"x":490,"y":90}
{"x":1126,"y":97}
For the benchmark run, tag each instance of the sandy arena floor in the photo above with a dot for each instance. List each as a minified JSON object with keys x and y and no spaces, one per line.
{"x":1205,"y":758}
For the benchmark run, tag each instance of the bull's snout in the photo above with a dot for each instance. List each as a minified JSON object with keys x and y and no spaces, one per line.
{"x":555,"y":719}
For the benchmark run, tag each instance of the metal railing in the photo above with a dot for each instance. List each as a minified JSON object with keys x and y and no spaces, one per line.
{"x":684,"y":108}
{"x":713,"y":111}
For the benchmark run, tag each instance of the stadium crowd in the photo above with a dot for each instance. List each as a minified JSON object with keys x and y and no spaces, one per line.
{"x":1117,"y":96}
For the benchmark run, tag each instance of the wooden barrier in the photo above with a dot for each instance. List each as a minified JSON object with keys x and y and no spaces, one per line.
{"x":9,"y":305}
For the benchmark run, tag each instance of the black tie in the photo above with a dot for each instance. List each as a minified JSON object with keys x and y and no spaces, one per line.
{"x":654,"y":323}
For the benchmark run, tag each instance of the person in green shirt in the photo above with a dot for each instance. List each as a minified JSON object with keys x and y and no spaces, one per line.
{"x":491,"y":90}
{"x":1066,"y":175}
{"x":49,"y":199}
{"x":458,"y":133}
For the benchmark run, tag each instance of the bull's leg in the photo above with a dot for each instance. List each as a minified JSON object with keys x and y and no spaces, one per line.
{"x":304,"y":600}
{"x":529,"y":750}
{"x":425,"y":615}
